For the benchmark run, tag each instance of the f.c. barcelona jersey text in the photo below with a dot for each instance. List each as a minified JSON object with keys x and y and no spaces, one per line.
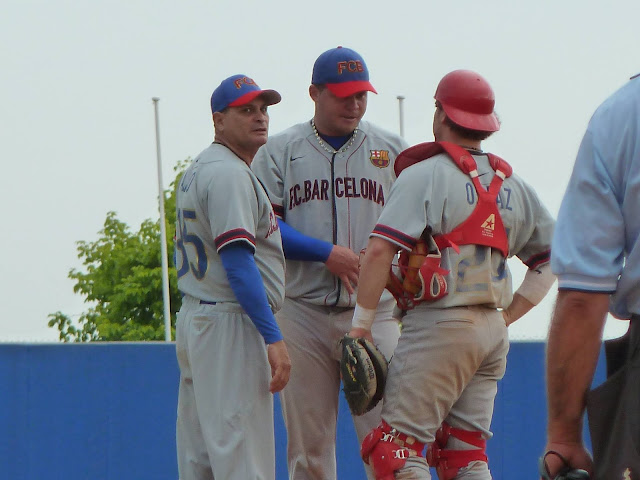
{"x":335,"y":197}
{"x":343,"y":187}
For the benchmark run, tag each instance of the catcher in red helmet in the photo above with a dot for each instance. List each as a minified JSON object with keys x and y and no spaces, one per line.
{"x":456,"y":214}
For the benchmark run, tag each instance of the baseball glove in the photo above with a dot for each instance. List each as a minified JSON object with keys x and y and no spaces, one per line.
{"x":364,"y":372}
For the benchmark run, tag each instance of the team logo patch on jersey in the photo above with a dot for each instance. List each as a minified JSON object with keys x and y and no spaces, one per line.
{"x":379,"y":158}
{"x":489,"y":226}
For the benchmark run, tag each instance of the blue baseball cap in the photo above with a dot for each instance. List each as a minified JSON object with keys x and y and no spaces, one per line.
{"x":343,"y":71}
{"x":239,"y":90}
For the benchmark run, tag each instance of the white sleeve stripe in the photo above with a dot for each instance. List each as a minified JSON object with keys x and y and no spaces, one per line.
{"x":591,"y":284}
{"x":234,"y":240}
{"x":233,"y":235}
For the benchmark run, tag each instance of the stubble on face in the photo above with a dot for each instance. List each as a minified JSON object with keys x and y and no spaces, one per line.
{"x":244,"y":129}
{"x":337,"y":116}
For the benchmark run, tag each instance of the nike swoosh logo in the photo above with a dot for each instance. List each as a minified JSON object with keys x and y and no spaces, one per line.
{"x":296,"y":158}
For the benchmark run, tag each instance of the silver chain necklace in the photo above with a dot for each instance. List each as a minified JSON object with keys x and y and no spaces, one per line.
{"x":330,"y":149}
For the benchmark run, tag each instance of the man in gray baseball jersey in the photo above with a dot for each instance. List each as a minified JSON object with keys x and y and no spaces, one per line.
{"x":470,"y":213}
{"x":230,"y":266}
{"x":328,"y":180}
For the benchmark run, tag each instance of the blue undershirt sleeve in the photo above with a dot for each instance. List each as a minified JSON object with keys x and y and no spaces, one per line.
{"x":246,"y":282}
{"x":298,"y":246}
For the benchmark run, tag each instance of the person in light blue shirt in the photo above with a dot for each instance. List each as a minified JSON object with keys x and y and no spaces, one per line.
{"x":596,"y":257}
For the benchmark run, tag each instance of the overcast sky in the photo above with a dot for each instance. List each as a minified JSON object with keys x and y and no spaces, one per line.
{"x":77,"y":121}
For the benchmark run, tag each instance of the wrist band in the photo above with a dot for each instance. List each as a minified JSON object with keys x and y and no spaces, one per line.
{"x":363,"y":317}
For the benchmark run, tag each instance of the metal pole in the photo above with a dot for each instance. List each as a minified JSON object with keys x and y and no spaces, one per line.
{"x":400,"y":106}
{"x":163,"y":234}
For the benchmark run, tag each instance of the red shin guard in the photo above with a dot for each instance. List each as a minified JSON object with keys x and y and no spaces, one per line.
{"x":387,"y":450}
{"x":448,"y":462}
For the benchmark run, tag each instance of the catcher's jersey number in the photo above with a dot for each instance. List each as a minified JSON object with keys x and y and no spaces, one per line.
{"x":183,"y":237}
{"x":467,"y":280}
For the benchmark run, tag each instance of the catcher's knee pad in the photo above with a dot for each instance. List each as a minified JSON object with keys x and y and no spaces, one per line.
{"x":448,"y":462}
{"x":387,"y":450}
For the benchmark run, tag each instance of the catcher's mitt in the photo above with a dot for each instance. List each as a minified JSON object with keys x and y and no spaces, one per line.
{"x":364,"y":372}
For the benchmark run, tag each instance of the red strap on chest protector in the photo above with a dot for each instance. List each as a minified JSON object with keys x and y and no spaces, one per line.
{"x":484,"y":226}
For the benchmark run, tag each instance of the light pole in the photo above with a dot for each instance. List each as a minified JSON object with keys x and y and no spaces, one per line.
{"x":163,"y":234}
{"x":401,"y":112}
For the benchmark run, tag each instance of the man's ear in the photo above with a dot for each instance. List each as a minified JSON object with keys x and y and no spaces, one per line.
{"x":218,"y":121}
{"x":314,"y":92}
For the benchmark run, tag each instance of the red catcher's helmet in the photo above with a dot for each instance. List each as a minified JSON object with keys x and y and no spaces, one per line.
{"x":468,"y":100}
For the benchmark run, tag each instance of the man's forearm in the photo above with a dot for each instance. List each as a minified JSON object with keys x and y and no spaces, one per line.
{"x":572,"y":353}
{"x":374,"y":271}
{"x":519,"y":307}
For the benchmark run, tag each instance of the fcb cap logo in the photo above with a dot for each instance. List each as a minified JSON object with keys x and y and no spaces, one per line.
{"x":343,"y":71}
{"x":239,"y":90}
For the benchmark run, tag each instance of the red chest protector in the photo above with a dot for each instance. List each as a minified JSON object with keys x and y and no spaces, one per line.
{"x":484,"y":226}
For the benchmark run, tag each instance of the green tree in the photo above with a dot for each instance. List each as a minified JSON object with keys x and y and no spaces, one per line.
{"x":122,"y":279}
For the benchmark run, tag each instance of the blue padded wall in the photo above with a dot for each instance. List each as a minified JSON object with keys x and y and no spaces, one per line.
{"x":107,"y":411}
